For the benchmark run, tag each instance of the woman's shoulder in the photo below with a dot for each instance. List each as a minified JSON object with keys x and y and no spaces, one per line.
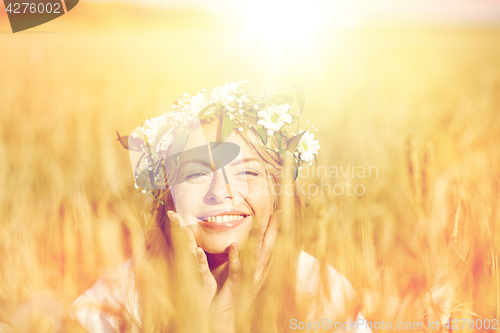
{"x":309,"y":274}
{"x":327,"y":293}
{"x":103,"y":307}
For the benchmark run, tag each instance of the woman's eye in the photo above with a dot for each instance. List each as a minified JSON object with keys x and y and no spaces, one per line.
{"x":249,"y":173}
{"x":195,"y":175}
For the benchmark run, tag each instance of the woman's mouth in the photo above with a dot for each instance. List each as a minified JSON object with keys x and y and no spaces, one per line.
{"x":222,"y":222}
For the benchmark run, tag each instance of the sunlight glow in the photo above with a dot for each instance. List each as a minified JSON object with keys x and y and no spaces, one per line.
{"x":283,"y":23}
{"x":282,"y":31}
{"x":291,"y":31}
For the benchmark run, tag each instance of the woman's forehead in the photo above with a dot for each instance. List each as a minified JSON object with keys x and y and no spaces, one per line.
{"x":209,"y":133}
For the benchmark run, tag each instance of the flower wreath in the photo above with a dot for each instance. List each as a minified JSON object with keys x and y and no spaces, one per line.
{"x":269,"y":116}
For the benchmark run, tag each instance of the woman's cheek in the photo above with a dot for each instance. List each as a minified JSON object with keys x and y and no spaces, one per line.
{"x":257,"y":188}
{"x":187,"y":194}
{"x":185,"y":199}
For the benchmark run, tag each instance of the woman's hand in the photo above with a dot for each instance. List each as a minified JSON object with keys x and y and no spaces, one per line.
{"x":208,"y":285}
{"x":268,"y":232}
{"x":222,"y":306}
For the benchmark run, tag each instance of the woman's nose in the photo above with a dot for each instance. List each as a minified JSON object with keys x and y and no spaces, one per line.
{"x":219,"y":190}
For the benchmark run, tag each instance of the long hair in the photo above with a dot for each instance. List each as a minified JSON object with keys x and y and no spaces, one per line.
{"x":168,"y":302}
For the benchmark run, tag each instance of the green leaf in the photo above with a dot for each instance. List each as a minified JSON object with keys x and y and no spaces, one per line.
{"x":293,"y":142}
{"x":179,"y":142}
{"x":261,"y":132}
{"x":284,"y":153}
{"x":227,"y":128}
{"x":279,"y":139}
{"x":132,"y":144}
{"x":300,"y":97}
{"x":161,"y":132}
{"x":207,"y":112}
{"x":275,"y":99}
{"x":152,"y":152}
{"x":159,"y":199}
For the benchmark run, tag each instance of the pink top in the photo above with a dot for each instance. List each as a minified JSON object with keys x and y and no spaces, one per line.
{"x":116,"y":290}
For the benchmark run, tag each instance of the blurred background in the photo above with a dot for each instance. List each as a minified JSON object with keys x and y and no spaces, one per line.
{"x":409,"y":87}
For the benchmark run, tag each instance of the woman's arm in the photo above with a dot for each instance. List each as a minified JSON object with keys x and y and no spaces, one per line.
{"x":90,"y":316}
{"x":340,"y":310}
{"x":110,"y":305}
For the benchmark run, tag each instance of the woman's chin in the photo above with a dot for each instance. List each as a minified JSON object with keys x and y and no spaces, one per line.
{"x":217,"y":249}
{"x":216,"y":242}
{"x":222,"y":246}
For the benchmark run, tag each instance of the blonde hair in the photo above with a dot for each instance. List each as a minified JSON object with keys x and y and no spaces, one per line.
{"x":272,"y":304}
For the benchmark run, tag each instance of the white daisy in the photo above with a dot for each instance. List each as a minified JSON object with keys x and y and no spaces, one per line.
{"x":274,"y":117}
{"x":166,"y":140}
{"x":231,"y":87}
{"x":198,"y":102}
{"x":154,"y":124}
{"x":222,"y":95}
{"x":308,"y":147}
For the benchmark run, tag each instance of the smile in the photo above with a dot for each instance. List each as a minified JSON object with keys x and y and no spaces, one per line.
{"x":224,"y":218}
{"x":222,"y":222}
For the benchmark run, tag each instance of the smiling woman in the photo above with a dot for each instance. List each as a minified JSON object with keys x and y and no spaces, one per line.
{"x":204,"y":198}
{"x":221,"y":255}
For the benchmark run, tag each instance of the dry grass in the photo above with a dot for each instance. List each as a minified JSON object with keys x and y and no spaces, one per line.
{"x":421,"y":106}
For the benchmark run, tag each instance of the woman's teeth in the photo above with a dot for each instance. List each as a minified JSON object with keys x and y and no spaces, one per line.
{"x":224,"y":218}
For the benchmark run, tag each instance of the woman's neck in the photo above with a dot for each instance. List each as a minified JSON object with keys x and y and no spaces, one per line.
{"x":218,"y":264}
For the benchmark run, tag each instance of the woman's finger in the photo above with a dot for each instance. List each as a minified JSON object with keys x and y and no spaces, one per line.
{"x":271,"y":233}
{"x":174,"y":218}
{"x":175,"y":225}
{"x":209,"y":285}
{"x":267,"y":237}
{"x":208,"y":279}
{"x":185,"y":232}
{"x":203,"y":265}
{"x":260,"y":233}
{"x":234,"y":276}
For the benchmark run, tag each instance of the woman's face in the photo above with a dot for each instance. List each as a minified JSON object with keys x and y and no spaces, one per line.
{"x":219,"y":213}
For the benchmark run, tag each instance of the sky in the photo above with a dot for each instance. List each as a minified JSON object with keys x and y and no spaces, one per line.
{"x":464,"y":11}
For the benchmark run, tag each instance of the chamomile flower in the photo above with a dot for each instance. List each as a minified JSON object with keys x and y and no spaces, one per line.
{"x":274,"y":117}
{"x":308,"y":147}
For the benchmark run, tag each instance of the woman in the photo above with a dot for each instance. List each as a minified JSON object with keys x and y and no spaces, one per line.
{"x":221,"y":253}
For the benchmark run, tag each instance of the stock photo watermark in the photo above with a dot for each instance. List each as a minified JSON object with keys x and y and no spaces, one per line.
{"x":361,"y":323}
{"x":25,"y":15}
{"x":327,"y":180}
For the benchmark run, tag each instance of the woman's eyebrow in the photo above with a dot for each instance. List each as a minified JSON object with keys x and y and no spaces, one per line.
{"x":245,"y":160}
{"x":207,"y":163}
{"x":198,"y":161}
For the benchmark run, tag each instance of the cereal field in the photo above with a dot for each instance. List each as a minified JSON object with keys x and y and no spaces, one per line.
{"x":421,"y":107}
